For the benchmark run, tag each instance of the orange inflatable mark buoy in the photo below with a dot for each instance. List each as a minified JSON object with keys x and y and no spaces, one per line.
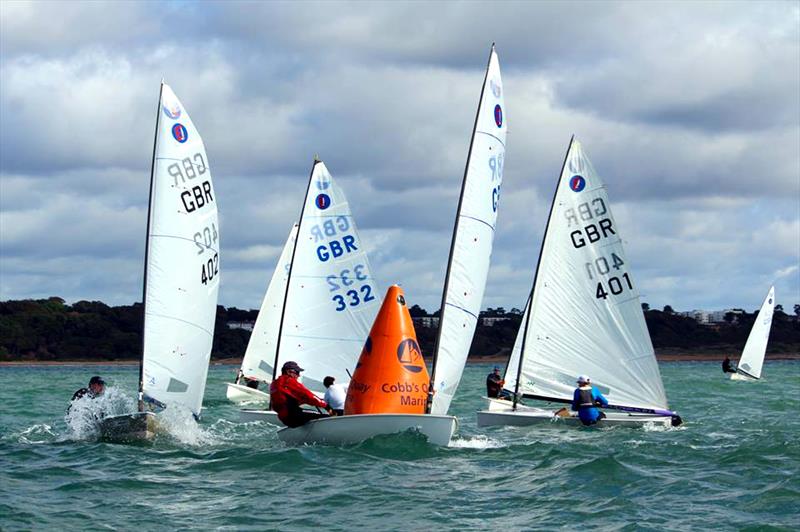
{"x":390,"y":377}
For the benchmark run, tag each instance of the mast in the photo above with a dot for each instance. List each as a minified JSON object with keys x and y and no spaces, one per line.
{"x":536,"y":276}
{"x":289,"y":273}
{"x":147,"y":244}
{"x":429,"y":401}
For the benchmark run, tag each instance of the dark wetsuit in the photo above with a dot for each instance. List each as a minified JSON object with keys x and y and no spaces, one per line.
{"x":494,"y":385}
{"x":727,"y":366}
{"x":79,"y":395}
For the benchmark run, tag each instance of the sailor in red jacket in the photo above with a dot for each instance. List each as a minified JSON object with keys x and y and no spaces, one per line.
{"x":287,"y":394}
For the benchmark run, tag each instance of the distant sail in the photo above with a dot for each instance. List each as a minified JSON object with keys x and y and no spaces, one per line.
{"x":183,"y":263}
{"x":752,"y":358}
{"x":332,"y":297}
{"x":260,"y":353}
{"x":472,"y":239}
{"x":585,"y":315}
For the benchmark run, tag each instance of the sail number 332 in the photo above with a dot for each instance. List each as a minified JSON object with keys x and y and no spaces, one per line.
{"x":352,"y":296}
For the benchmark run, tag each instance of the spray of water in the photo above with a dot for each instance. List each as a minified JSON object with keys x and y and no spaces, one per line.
{"x":84,"y":414}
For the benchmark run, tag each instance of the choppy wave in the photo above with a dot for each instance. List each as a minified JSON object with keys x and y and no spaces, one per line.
{"x":732,"y":465}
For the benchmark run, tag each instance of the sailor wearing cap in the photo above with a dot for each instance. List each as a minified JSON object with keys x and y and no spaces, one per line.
{"x":287,"y":395}
{"x":96,"y":388}
{"x":586,"y":399}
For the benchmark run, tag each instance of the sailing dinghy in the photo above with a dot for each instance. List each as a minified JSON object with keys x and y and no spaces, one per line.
{"x":329,"y":297}
{"x":583,"y":316}
{"x":465,"y":281}
{"x":752,"y":359}
{"x":181,"y":276}
{"x":256,"y":365}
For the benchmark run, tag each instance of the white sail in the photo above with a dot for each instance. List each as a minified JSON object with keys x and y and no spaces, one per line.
{"x":512,"y":368}
{"x":472,"y":239}
{"x":260,"y":353}
{"x":753,"y":355}
{"x":585,"y":315}
{"x":332,"y":298}
{"x":182,"y":268}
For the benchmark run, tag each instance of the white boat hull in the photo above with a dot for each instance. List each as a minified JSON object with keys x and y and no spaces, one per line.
{"x":129,"y":428}
{"x":253,"y":414}
{"x":342,"y":430}
{"x":742,"y":377}
{"x":501,"y":413}
{"x":238,"y":393}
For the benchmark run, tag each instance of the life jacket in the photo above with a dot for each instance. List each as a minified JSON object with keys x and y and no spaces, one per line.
{"x":586,"y":397}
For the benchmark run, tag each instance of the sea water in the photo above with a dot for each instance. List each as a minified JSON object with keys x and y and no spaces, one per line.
{"x":733,"y":465}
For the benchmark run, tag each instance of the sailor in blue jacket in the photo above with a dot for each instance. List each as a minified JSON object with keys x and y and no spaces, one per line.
{"x":584,"y":400}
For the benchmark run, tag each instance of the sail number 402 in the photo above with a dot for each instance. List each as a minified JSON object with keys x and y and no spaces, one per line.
{"x":210,"y":269}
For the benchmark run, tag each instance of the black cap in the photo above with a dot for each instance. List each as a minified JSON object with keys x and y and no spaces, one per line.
{"x":96,"y":380}
{"x":292,"y":365}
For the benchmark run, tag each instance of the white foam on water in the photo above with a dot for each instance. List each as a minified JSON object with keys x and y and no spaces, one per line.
{"x":476,"y":442}
{"x":84,"y":413}
{"x":179,"y":423}
{"x":39,"y":433}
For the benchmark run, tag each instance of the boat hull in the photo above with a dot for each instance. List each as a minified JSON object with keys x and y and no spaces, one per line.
{"x":342,"y":430}
{"x":254,"y":414}
{"x":236,"y":393}
{"x":501,"y":413}
{"x":129,"y":428}
{"x":742,"y":377}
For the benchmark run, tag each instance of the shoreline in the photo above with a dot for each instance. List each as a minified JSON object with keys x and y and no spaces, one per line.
{"x":666,"y":357}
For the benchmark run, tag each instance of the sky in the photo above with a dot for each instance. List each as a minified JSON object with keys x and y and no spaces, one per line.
{"x":689,"y":111}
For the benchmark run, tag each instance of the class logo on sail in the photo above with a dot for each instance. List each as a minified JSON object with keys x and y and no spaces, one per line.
{"x":577,"y":183}
{"x":496,"y":88}
{"x":323,"y":182}
{"x":323,"y":201}
{"x":498,"y":115}
{"x":179,"y":133}
{"x":172,"y":110}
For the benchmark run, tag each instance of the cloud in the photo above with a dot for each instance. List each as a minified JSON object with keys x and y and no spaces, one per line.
{"x":690,"y":112}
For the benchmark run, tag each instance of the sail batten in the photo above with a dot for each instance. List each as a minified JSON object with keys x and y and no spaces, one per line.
{"x":471,"y":246}
{"x":182,"y":265}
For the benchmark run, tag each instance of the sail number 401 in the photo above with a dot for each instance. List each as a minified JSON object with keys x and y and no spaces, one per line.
{"x":615,"y":286}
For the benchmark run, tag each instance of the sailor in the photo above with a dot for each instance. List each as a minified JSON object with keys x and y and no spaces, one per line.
{"x":585,"y":399}
{"x":96,"y":388}
{"x":250,"y":382}
{"x":335,"y":394}
{"x":494,"y":385}
{"x":727,"y":366}
{"x":287,"y":394}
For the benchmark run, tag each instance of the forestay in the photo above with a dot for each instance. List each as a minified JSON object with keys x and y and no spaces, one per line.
{"x":182,"y":267}
{"x":260,"y":353}
{"x":472,"y":240}
{"x":752,"y":358}
{"x":585,"y":315}
{"x":331,"y":298}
